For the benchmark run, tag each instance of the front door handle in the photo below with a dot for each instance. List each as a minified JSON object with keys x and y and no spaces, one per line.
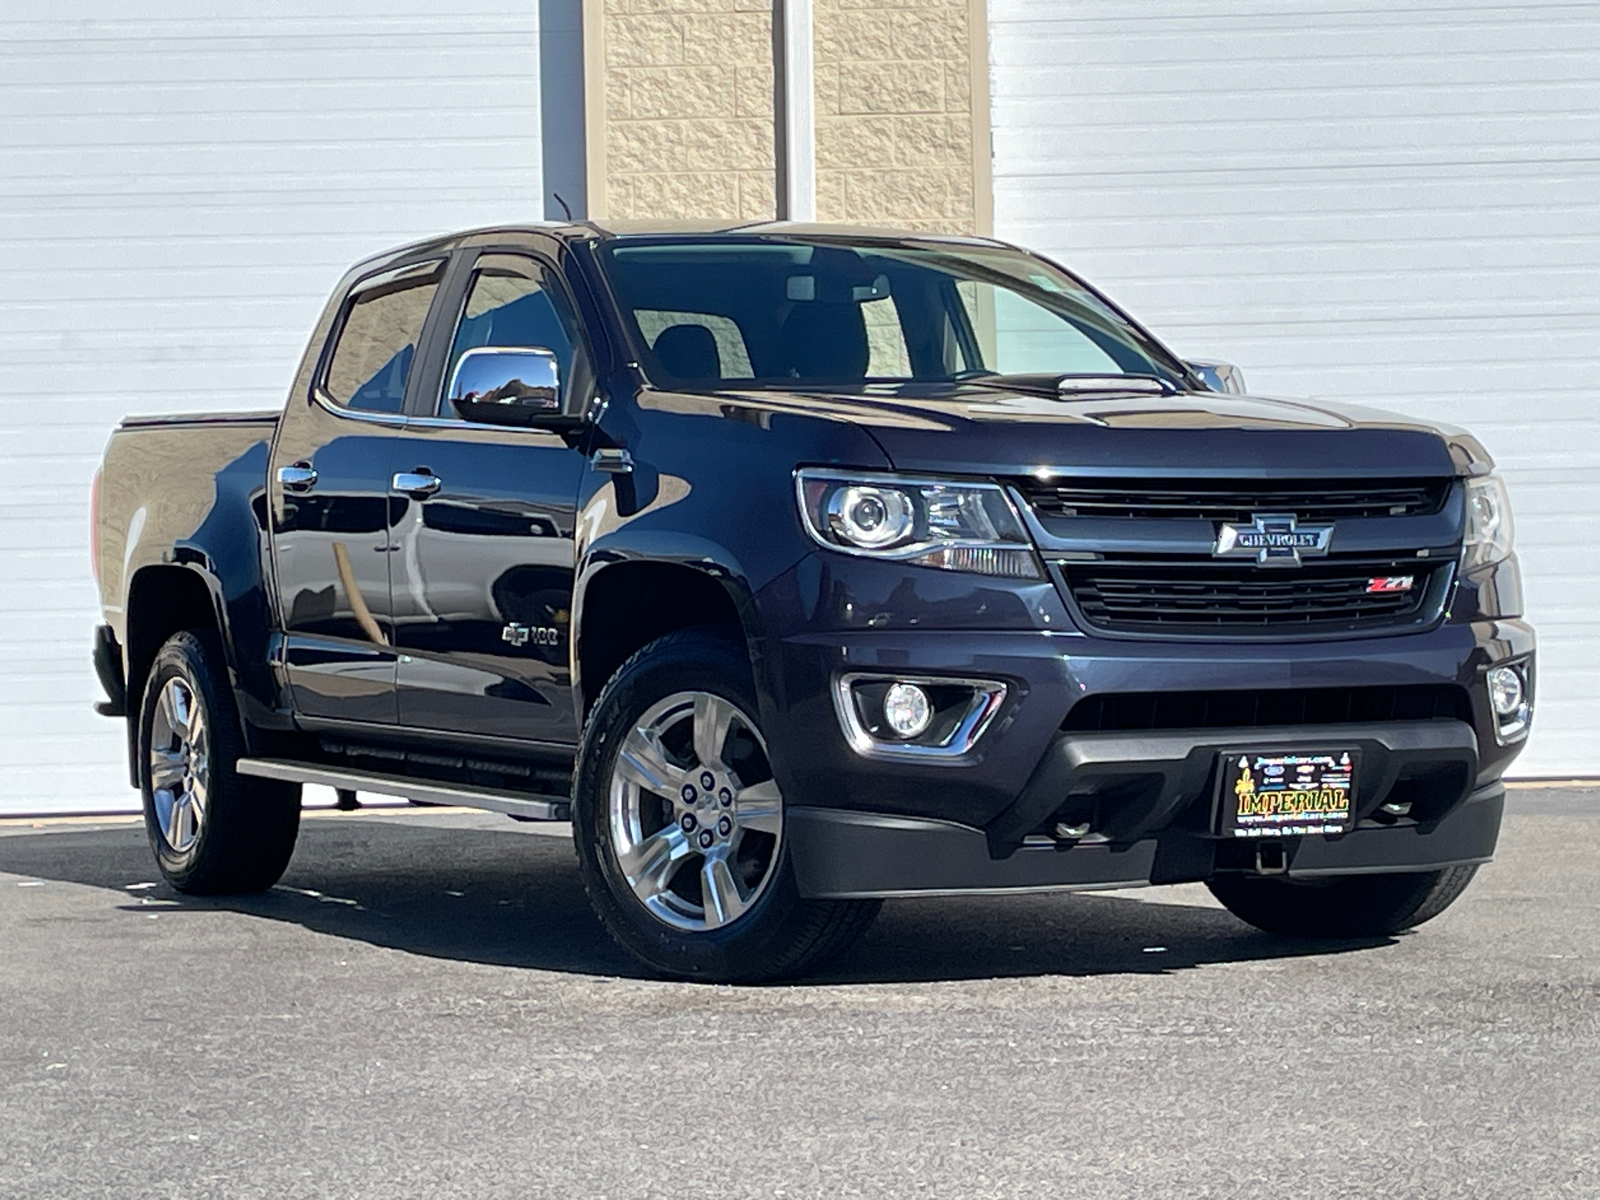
{"x":419,"y":483}
{"x":298,"y":477}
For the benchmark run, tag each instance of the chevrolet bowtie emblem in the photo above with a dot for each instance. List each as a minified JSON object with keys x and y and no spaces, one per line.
{"x":1275,"y":539}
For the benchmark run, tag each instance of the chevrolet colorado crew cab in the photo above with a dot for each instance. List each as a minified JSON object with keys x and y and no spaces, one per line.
{"x":800,"y":567}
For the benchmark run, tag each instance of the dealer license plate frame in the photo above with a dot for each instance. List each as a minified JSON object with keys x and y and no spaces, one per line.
{"x":1333,"y":770}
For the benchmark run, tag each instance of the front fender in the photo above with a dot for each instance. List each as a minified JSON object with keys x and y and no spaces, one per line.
{"x":711,"y":491}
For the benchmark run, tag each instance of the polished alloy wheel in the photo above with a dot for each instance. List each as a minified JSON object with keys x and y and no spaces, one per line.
{"x":180,"y":768}
{"x":695,"y":816}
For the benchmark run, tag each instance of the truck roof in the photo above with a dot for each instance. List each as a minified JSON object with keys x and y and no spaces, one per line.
{"x":609,"y":229}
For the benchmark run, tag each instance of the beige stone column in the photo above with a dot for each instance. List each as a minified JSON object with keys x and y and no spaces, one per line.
{"x":902,"y":114}
{"x":680,"y":110}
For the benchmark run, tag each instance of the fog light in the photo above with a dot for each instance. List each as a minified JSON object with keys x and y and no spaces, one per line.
{"x":1505,"y":691}
{"x":906,"y":709}
{"x":915,"y":718}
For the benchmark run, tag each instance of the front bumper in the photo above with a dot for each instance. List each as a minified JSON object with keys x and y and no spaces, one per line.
{"x":865,"y":827}
{"x":839,"y":854}
{"x":1133,"y":784}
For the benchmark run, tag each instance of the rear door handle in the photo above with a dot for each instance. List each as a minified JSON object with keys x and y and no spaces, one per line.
{"x":418,"y":483}
{"x":297,"y":477}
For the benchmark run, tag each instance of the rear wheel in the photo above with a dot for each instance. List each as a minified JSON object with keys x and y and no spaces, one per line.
{"x":1345,"y":906}
{"x":212,"y":829}
{"x":679,"y":823}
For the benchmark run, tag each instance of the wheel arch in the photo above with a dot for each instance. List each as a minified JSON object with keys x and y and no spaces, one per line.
{"x":623,"y":606}
{"x":165,"y":599}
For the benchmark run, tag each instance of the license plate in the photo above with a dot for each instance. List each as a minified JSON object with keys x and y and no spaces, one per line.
{"x":1283,"y":795}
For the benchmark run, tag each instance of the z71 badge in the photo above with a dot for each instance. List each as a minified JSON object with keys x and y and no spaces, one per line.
{"x":1274,"y":539}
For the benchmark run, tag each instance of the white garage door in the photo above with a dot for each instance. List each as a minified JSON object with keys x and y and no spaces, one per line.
{"x":181,"y":182}
{"x":1357,"y":200}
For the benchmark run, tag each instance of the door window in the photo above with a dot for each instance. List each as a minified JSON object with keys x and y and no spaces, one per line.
{"x":377,"y":343}
{"x":511,"y":303}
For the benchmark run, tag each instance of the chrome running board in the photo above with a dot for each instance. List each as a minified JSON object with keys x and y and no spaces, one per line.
{"x":515,"y":804}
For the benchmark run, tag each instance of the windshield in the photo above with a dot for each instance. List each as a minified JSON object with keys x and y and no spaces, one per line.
{"x":794,"y":312}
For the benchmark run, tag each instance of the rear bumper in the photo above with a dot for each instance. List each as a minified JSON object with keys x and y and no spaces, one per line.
{"x":841,"y":854}
{"x":108,"y":666}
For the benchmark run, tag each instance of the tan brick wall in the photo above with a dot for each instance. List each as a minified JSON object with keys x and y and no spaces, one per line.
{"x":688,"y":109}
{"x":895,"y":116}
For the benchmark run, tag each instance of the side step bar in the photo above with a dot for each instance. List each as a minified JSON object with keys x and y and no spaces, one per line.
{"x":515,"y":804}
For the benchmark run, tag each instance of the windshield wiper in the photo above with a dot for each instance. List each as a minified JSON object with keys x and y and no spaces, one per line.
{"x":1072,"y":385}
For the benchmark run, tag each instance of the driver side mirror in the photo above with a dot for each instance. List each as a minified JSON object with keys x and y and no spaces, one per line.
{"x":1218,"y":376}
{"x":517,"y":386}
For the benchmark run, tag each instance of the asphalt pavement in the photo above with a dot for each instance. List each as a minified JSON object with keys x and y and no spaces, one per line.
{"x":426,"y":1007}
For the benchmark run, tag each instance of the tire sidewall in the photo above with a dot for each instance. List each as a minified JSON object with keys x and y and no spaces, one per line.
{"x":745,"y":948}
{"x":1345,"y":906}
{"x":186,"y":657}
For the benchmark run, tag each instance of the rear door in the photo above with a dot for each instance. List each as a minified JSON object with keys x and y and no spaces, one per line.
{"x":482,"y":568}
{"x":330,"y":482}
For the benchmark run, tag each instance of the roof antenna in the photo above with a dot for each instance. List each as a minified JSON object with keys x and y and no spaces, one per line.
{"x":563,"y":203}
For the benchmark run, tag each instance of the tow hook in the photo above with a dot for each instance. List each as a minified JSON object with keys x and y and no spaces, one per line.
{"x":1270,"y":859}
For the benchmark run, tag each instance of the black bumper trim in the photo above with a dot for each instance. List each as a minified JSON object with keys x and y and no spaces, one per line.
{"x":844,"y":854}
{"x":1469,"y":835}
{"x":1175,"y":769}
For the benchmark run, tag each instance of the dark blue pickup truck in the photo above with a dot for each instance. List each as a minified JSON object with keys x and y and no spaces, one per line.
{"x":802,"y":567}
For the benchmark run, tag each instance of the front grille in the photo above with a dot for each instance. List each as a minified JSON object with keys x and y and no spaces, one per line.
{"x":1235,"y":501}
{"x":1115,"y":712}
{"x":1196,"y":597}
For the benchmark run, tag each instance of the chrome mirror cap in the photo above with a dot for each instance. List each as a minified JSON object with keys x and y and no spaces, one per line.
{"x":498,"y":385}
{"x":1218,"y":376}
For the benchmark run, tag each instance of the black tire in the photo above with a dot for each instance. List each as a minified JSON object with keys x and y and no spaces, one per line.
{"x":779,"y":935}
{"x":1347,"y":906}
{"x":248,"y":826}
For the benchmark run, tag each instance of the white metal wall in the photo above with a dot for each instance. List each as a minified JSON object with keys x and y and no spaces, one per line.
{"x":1357,"y":200}
{"x":181,"y":182}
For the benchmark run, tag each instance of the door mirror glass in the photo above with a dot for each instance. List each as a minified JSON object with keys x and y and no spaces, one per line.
{"x":496,"y":385}
{"x":1219,"y":376}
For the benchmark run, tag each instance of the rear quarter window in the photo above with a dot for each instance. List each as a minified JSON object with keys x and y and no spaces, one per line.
{"x":377,"y":342}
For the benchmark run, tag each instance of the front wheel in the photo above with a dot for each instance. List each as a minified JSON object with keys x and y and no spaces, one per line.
{"x":212,"y":829}
{"x":679,"y":823}
{"x":1341,"y":907}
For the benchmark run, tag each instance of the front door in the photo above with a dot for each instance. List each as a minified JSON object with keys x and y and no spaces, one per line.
{"x":482,"y":569}
{"x":330,"y":482}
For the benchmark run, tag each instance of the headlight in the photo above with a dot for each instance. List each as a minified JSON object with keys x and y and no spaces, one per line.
{"x":930,"y":522}
{"x":1488,"y":537}
{"x":870,"y":518}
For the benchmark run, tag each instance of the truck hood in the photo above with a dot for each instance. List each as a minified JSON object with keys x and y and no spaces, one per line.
{"x":962,"y":429}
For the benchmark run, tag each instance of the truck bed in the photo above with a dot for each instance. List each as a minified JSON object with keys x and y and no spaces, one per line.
{"x":267,"y":416}
{"x":168,"y":477}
